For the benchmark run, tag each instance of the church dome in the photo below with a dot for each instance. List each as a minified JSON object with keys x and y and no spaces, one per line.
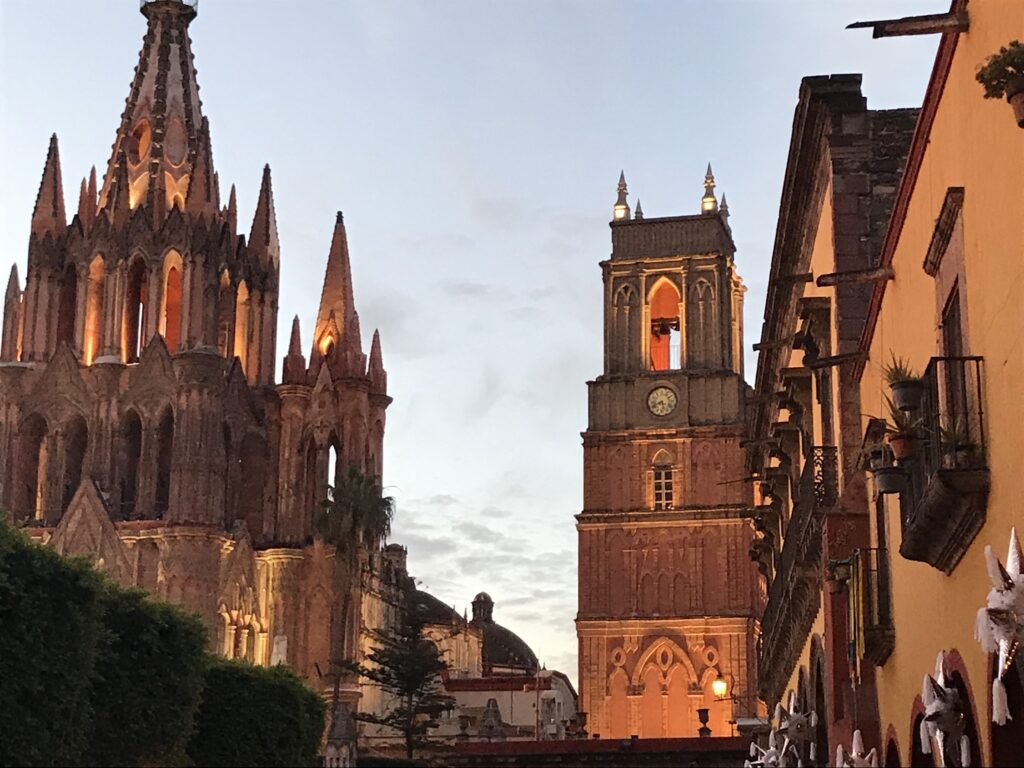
{"x":501,"y":647}
{"x":434,"y":611}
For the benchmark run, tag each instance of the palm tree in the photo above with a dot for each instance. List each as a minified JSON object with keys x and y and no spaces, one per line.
{"x":355,"y":518}
{"x":356,"y":513}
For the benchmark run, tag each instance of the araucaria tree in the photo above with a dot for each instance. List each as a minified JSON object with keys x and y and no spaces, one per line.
{"x":408,"y":666}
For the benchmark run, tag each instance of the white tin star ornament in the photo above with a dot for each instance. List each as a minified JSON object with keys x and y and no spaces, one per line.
{"x":856,"y":757}
{"x":1000,"y":624}
{"x":943,"y":715}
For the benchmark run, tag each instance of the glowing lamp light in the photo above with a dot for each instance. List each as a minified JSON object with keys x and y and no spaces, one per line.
{"x":621,"y":211}
{"x":708,"y":204}
{"x":719,"y":687}
{"x":326,"y":345}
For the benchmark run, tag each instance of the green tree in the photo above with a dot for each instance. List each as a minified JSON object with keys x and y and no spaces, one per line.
{"x":408,"y":666}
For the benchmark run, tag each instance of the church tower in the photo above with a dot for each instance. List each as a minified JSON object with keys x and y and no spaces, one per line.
{"x":141,"y":423}
{"x":667,"y":598}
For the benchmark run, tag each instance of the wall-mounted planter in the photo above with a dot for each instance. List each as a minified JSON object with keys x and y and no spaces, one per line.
{"x":890,"y":480}
{"x":903,"y":446}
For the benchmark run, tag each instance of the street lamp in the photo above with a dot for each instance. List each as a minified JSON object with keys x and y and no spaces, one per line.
{"x":719,"y":687}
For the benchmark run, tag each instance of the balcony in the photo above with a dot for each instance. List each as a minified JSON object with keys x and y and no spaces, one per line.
{"x":871,"y":601}
{"x":943,"y":504}
{"x":795,"y":593}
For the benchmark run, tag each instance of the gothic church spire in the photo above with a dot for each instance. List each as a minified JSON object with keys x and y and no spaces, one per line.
{"x":263,"y":236}
{"x":49,"y":215}
{"x":337,"y":305}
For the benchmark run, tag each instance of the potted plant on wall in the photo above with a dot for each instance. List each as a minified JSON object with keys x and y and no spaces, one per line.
{"x":889,"y":477}
{"x":905,"y":383}
{"x":1003,"y":75}
{"x":958,"y":450}
{"x":901,"y":431}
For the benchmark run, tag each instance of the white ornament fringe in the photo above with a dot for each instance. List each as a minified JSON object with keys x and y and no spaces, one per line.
{"x":999,"y":626}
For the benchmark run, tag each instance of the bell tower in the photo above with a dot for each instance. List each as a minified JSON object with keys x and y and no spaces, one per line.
{"x":667,"y":595}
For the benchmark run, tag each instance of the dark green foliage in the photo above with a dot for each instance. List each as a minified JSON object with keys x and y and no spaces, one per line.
{"x":256,"y":716}
{"x":408,"y":666}
{"x":149,"y":676}
{"x":1001,"y":68}
{"x":50,"y":628}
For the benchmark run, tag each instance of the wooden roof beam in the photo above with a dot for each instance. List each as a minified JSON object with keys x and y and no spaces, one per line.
{"x":856,"y":276}
{"x":930,"y":24}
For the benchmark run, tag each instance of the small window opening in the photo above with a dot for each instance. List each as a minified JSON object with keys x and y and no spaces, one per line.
{"x":664,"y":339}
{"x":135,"y":311}
{"x":663,"y":491}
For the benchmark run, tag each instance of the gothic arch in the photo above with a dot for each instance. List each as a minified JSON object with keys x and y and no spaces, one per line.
{"x":92,"y":343}
{"x":663,"y":301}
{"x":67,"y":305}
{"x":253,"y":459}
{"x":678,"y":654}
{"x":31,"y":468}
{"x":617,"y":586}
{"x":170,"y":302}
{"x":134,"y":329}
{"x":618,"y":705}
{"x":625,"y":296}
{"x":76,"y":445}
{"x":648,"y":594}
{"x":702,"y":341}
{"x":129,"y":456}
{"x":242,"y":317}
{"x":164,"y":455}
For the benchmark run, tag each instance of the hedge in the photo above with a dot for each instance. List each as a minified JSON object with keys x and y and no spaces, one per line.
{"x":50,"y":635}
{"x":256,"y":717}
{"x":149,"y":676}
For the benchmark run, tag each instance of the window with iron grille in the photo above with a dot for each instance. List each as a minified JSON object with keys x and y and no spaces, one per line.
{"x":663,"y":487}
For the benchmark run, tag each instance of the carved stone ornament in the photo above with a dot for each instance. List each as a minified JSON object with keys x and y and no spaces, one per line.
{"x":856,"y":757}
{"x":944,"y":716}
{"x":1000,"y":624}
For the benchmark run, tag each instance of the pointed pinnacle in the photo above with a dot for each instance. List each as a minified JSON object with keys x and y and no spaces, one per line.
{"x":337,"y":295}
{"x":263,"y":235}
{"x":295,"y":343}
{"x":232,"y":210}
{"x":48,"y":215}
{"x":639,"y":212}
{"x":622,"y":178}
{"x":119,"y":203}
{"x":13,"y":283}
{"x":376,"y":358}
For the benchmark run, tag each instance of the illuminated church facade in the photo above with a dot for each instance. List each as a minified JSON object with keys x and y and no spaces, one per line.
{"x":141,"y":424}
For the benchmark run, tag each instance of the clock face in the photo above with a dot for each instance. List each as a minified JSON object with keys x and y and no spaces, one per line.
{"x":661,"y":401}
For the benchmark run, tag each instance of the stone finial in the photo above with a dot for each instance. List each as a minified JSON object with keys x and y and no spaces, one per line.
{"x":263,"y":240}
{"x":621,"y":210}
{"x":638,"y":214}
{"x":119,"y":206}
{"x":48,"y":215}
{"x":708,"y":203}
{"x":294,"y":368}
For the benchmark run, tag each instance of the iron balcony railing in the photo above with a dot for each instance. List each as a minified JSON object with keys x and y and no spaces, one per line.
{"x":801,"y":550}
{"x":952,"y":425}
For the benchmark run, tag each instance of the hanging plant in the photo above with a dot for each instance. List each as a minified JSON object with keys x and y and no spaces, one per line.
{"x":1000,"y":624}
{"x":1003,"y":75}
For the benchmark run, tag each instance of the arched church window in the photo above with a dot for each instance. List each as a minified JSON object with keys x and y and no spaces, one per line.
{"x":76,"y":442}
{"x":225,"y":316}
{"x":241,"y":346}
{"x":164,"y":448}
{"x":311,"y":489}
{"x":664,"y":339}
{"x":333,"y":467}
{"x":664,"y":481}
{"x":135,"y":310}
{"x":139,"y":142}
{"x":93,"y":341}
{"x":170,"y":312}
{"x":130,"y":452}
{"x":30,"y":473}
{"x":67,"y":306}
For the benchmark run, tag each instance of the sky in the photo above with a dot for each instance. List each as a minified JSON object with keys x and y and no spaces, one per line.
{"x":474,"y":148}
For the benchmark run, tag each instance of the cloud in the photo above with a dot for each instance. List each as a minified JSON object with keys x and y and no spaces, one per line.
{"x":429,"y":545}
{"x":480,"y":533}
{"x":466,"y":288}
{"x":438,"y":500}
{"x":495,"y":512}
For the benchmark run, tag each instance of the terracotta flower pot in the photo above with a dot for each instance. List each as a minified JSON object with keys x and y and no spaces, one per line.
{"x":1015,"y":95}
{"x":903,"y":446}
{"x":906,"y":394}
